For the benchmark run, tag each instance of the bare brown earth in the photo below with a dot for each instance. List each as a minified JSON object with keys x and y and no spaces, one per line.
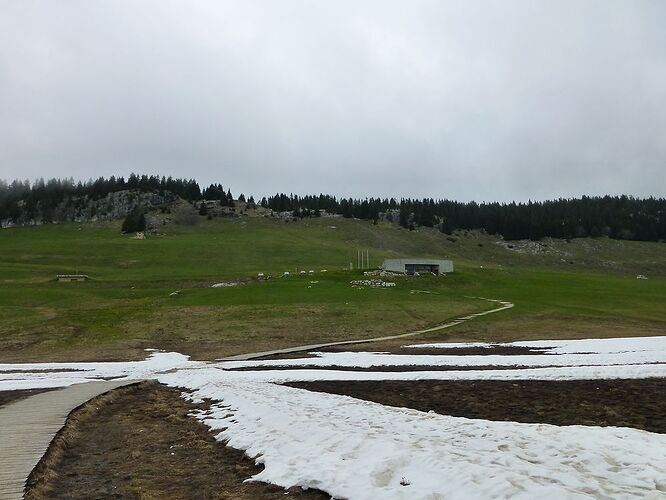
{"x":7,"y":397}
{"x":138,"y":442}
{"x":380,"y":368}
{"x":503,"y":329}
{"x":495,"y":350}
{"x":627,"y":403}
{"x":398,"y":347}
{"x":282,"y":334}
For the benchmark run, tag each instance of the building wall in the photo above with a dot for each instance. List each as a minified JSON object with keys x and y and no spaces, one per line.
{"x":398,"y":265}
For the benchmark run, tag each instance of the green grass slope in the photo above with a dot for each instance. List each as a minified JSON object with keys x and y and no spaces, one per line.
{"x":578,"y":288}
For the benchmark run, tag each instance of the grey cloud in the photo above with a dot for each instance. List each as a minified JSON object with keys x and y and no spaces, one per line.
{"x":483,"y":100}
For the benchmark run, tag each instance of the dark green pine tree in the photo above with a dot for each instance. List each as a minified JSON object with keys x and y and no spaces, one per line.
{"x":135,"y":221}
{"x":404,"y":215}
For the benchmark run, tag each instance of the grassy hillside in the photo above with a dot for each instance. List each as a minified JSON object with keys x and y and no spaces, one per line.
{"x":560,"y":288}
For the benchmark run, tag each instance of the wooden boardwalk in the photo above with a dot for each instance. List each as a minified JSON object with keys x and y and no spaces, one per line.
{"x":28,"y":426}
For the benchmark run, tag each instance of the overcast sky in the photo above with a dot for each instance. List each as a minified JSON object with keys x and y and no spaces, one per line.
{"x":485,"y":100}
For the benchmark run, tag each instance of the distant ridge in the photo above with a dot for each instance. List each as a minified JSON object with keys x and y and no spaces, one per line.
{"x":64,"y":200}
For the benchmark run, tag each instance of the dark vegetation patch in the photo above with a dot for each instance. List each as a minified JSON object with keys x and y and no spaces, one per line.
{"x":291,"y":355}
{"x":45,"y":370}
{"x":139,"y":442}
{"x":7,"y":397}
{"x":627,"y":403}
{"x":381,"y":368}
{"x":495,"y":350}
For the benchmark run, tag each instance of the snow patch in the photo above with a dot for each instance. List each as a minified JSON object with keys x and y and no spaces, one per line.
{"x":581,"y":346}
{"x":361,"y":450}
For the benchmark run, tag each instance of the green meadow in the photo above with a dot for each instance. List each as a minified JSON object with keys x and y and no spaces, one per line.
{"x":579,"y":288}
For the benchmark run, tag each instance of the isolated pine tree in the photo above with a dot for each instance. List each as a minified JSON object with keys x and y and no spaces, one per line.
{"x":135,"y":221}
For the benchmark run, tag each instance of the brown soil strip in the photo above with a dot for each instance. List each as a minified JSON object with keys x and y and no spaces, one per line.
{"x":139,"y":442}
{"x":627,"y":403}
{"x":471,"y":351}
{"x":7,"y":397}
{"x":46,"y":370}
{"x":381,"y":368}
{"x":398,"y":349}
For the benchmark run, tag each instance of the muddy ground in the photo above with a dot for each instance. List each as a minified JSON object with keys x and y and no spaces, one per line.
{"x":629,"y":403}
{"x":380,"y":368}
{"x":397,"y":347}
{"x":495,"y":350}
{"x":138,"y":442}
{"x":7,"y":397}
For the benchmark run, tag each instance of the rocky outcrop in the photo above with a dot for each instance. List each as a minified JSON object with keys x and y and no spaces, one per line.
{"x":86,"y":209}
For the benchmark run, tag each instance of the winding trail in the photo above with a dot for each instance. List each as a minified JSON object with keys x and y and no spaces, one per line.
{"x":254,"y":355}
{"x":28,"y":426}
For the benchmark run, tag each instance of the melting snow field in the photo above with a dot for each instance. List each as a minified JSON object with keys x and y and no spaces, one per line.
{"x":357,"y":449}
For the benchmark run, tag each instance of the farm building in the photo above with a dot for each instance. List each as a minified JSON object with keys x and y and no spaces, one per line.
{"x":72,"y":277}
{"x":411,"y":266}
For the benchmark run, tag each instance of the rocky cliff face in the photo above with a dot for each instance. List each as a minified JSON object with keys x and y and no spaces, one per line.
{"x":86,"y":209}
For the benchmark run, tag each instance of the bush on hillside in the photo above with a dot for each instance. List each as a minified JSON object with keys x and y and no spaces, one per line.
{"x":135,"y":221}
{"x":185,"y":216}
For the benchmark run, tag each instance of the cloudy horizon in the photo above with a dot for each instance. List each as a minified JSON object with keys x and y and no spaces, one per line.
{"x":483,"y":100}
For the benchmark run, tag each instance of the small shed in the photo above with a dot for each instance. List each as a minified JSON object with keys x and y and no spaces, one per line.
{"x":411,"y":266}
{"x":72,"y":277}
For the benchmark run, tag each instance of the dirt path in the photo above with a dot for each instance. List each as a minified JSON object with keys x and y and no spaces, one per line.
{"x":28,"y":425}
{"x":244,"y":357}
{"x":140,"y":442}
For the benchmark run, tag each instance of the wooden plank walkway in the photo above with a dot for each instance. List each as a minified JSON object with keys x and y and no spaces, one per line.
{"x":28,"y":426}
